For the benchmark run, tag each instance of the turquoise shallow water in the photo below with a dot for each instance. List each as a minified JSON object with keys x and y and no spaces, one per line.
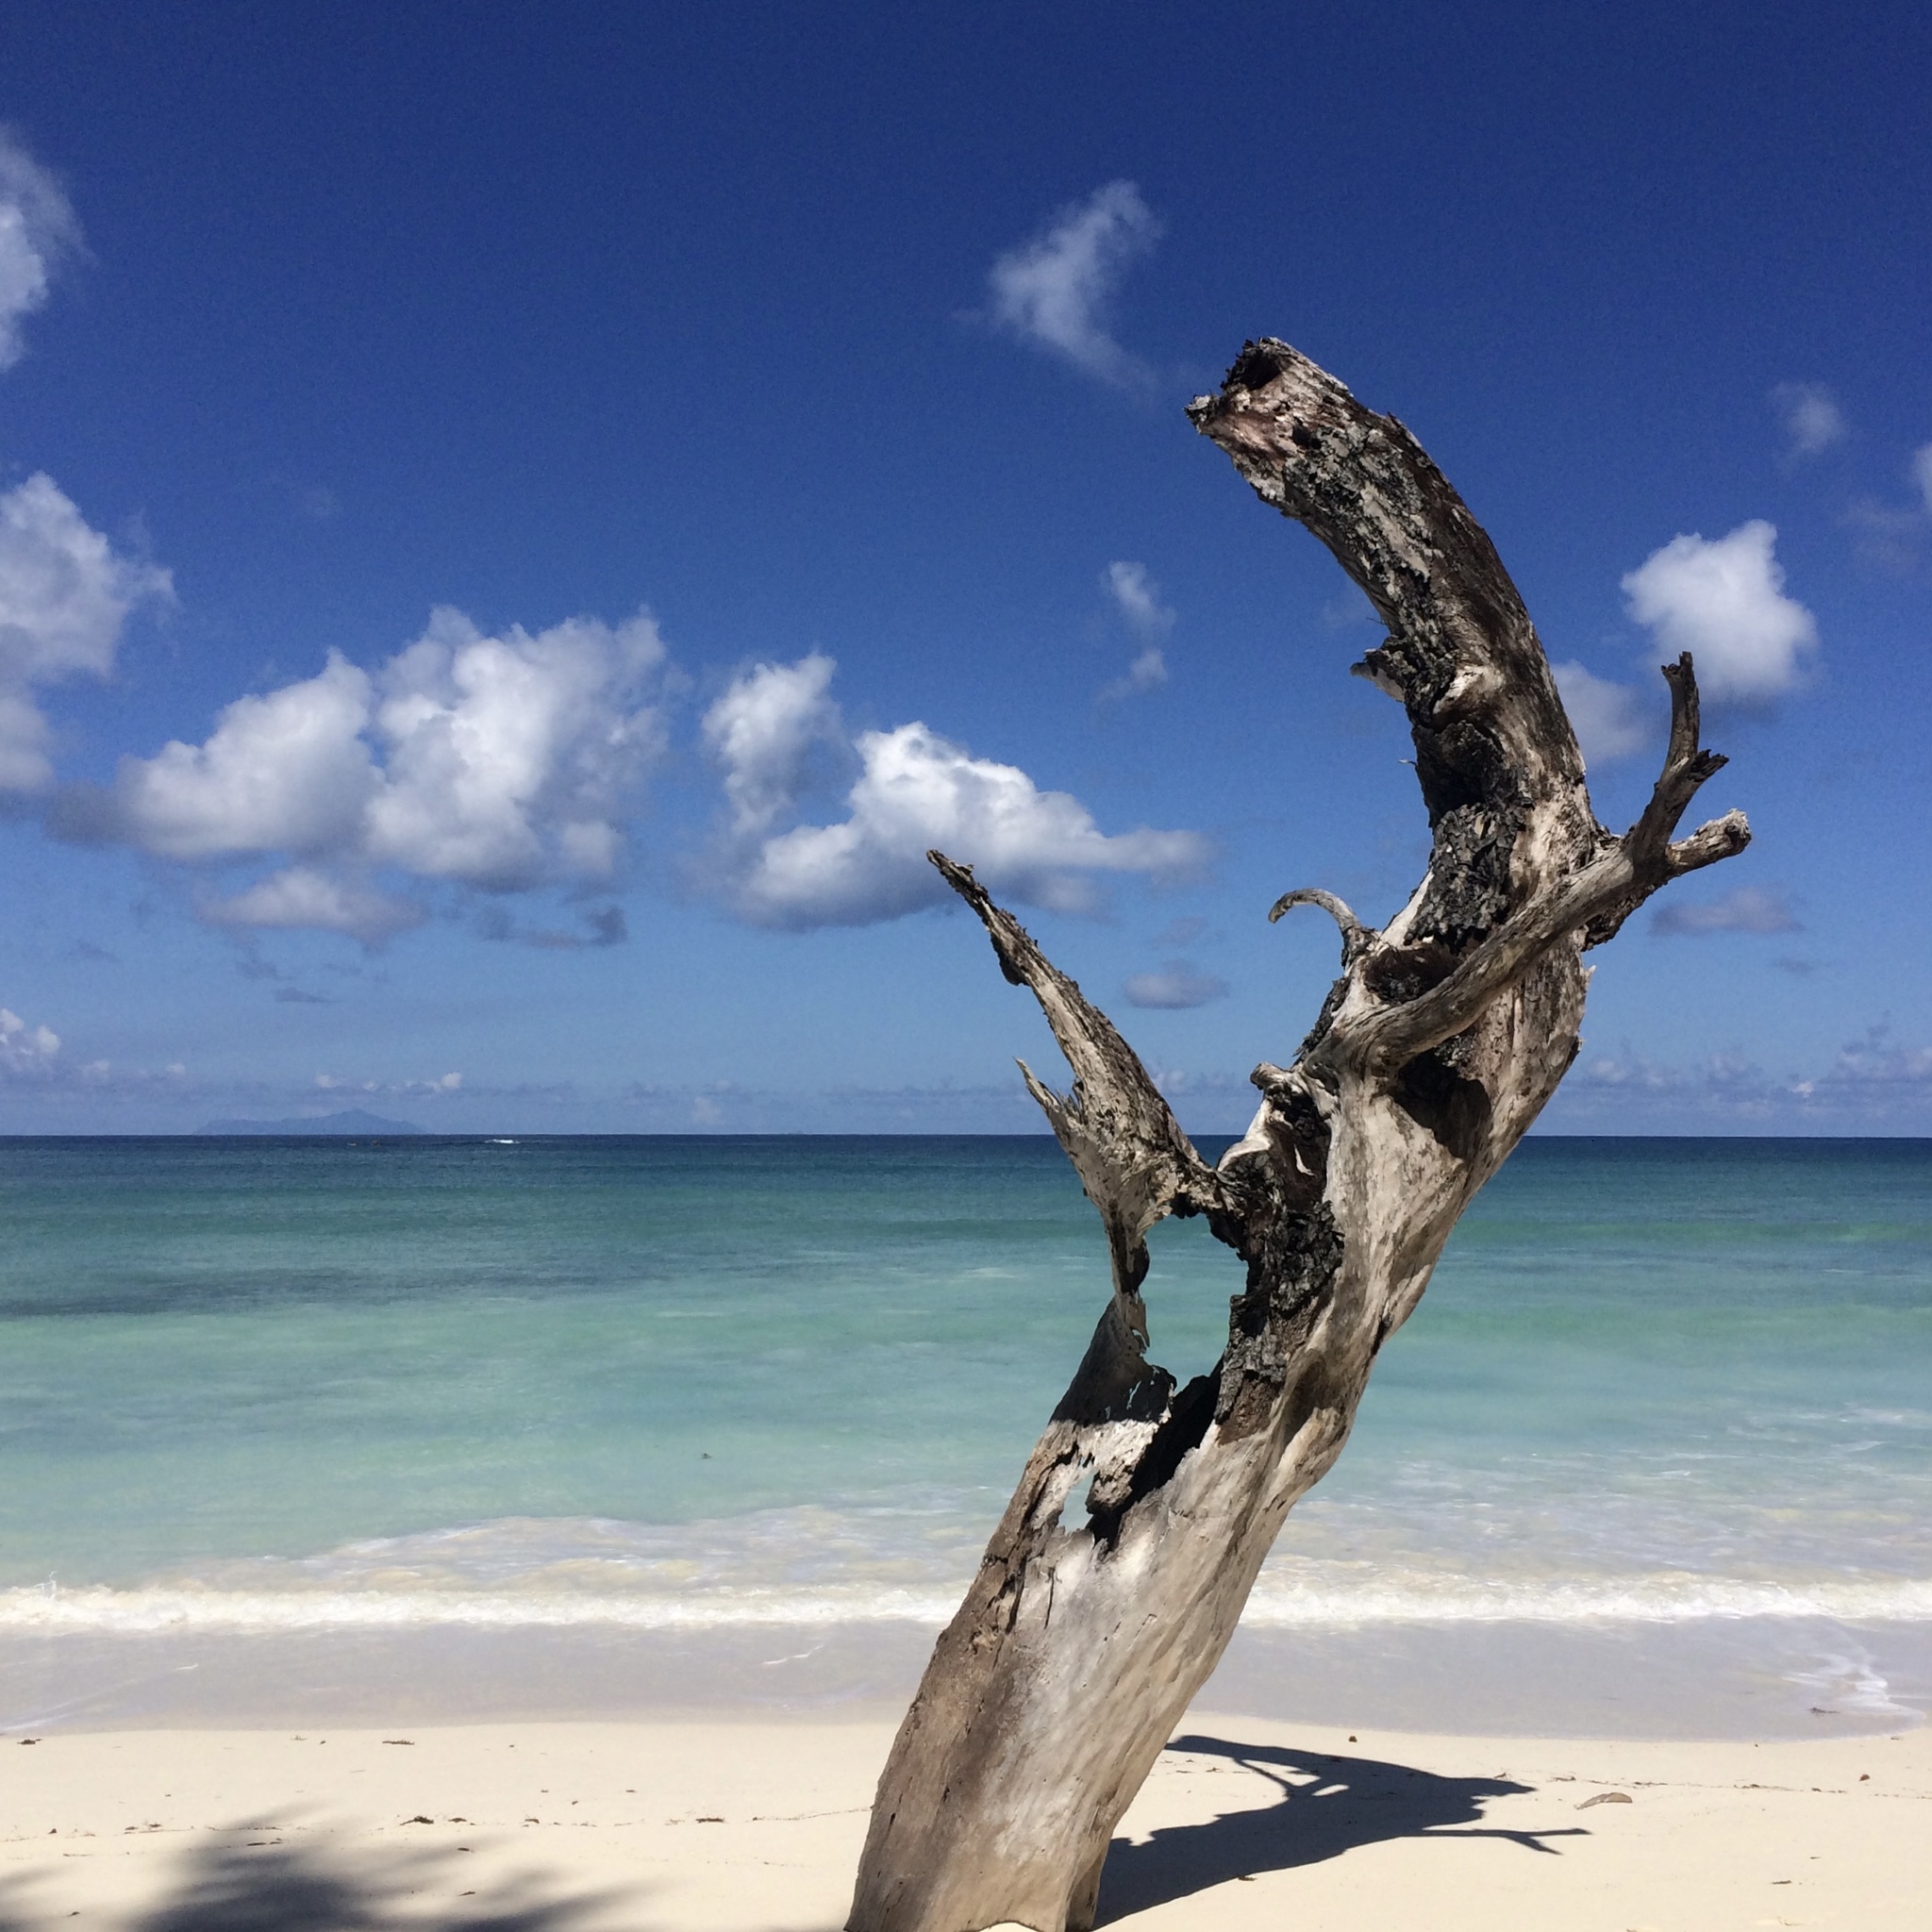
{"x":259,"y":1385}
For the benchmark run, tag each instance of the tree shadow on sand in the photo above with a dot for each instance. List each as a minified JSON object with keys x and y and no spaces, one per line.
{"x":239,"y":1886}
{"x":1327,"y":1806}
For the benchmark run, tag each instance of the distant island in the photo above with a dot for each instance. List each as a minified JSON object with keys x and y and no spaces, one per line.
{"x":353,"y":1122}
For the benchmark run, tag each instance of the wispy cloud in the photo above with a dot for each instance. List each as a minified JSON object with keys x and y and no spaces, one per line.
{"x":1177,"y":985}
{"x":420,"y":1089}
{"x":299,"y":898}
{"x":600,"y":928}
{"x":1137,"y":597}
{"x":1052,"y":290}
{"x":915,"y":789}
{"x":1745,"y":908}
{"x":1893,"y":534}
{"x":1137,"y":600}
{"x":501,"y":763}
{"x":1723,"y":600}
{"x":1872,"y":1083}
{"x":38,"y":232}
{"x":1610,"y":720}
{"x":1811,"y":418}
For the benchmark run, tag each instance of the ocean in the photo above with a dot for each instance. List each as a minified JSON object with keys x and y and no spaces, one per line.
{"x":575,"y":1426}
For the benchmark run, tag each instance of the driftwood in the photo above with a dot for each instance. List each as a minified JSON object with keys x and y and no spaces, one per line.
{"x":1081,"y":1643}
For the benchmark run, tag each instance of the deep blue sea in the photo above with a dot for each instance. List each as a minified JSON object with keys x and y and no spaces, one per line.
{"x":676,"y":1385}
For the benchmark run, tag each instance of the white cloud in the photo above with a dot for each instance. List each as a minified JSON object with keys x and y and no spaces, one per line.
{"x":499,"y":762}
{"x":1922,"y":474}
{"x":1608,"y":719}
{"x":38,"y":230}
{"x":65,"y":594}
{"x":288,"y":771}
{"x":1724,"y":601}
{"x":26,"y":1050}
{"x":508,"y":758}
{"x":1177,"y":985}
{"x":1137,"y":597}
{"x":1148,"y":670}
{"x":1811,"y":418}
{"x":301,"y":899}
{"x":917,"y":791}
{"x":763,"y":731}
{"x":1052,"y":290}
{"x":1745,"y":908}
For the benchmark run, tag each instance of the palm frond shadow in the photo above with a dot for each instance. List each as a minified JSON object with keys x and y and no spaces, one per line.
{"x":233,"y":1886}
{"x":1327,"y":1806}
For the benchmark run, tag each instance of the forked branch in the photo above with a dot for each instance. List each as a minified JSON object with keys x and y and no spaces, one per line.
{"x":1122,"y":1137}
{"x":1595,"y":900}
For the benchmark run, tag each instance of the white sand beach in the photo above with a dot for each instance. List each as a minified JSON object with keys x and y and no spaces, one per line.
{"x":754,"y":1825}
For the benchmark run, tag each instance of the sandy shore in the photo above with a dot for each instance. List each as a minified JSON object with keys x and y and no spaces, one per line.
{"x":753,"y":1826}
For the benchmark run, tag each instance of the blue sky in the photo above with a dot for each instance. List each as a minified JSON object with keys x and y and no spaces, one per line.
{"x":518,"y":524}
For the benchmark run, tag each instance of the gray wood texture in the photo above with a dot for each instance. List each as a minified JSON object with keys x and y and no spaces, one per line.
{"x":1092,"y":1625}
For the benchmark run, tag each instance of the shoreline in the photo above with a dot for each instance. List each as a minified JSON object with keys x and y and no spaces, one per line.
{"x":751,"y":1822}
{"x":1798,"y":1680}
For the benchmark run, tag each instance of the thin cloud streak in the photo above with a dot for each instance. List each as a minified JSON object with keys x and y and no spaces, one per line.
{"x":1745,"y":909}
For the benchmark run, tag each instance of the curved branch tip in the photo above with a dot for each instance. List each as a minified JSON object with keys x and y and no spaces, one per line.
{"x":1356,"y":937}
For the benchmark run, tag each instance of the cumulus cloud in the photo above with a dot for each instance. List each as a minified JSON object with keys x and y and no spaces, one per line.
{"x":1052,"y":290}
{"x":1177,"y":984}
{"x":1724,"y":601}
{"x":65,"y":593}
{"x":25,"y":1050}
{"x":496,"y":762}
{"x":1609,"y":720}
{"x":287,"y":772}
{"x":915,"y":790}
{"x":1810,"y":417}
{"x":763,"y":732}
{"x":1745,"y":908}
{"x":38,"y":231}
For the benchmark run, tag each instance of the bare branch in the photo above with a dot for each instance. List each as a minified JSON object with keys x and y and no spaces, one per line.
{"x":1686,"y":768}
{"x":1124,"y":1141}
{"x":1654,"y":858}
{"x":1461,"y":652}
{"x":1595,"y":900}
{"x":1721,"y":837}
{"x":1356,"y":937}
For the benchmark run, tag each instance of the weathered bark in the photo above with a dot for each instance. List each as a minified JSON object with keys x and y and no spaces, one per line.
{"x":1081,"y":1643}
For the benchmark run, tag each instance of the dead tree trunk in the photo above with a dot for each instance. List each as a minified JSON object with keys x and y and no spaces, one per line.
{"x":1079,"y":1645}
